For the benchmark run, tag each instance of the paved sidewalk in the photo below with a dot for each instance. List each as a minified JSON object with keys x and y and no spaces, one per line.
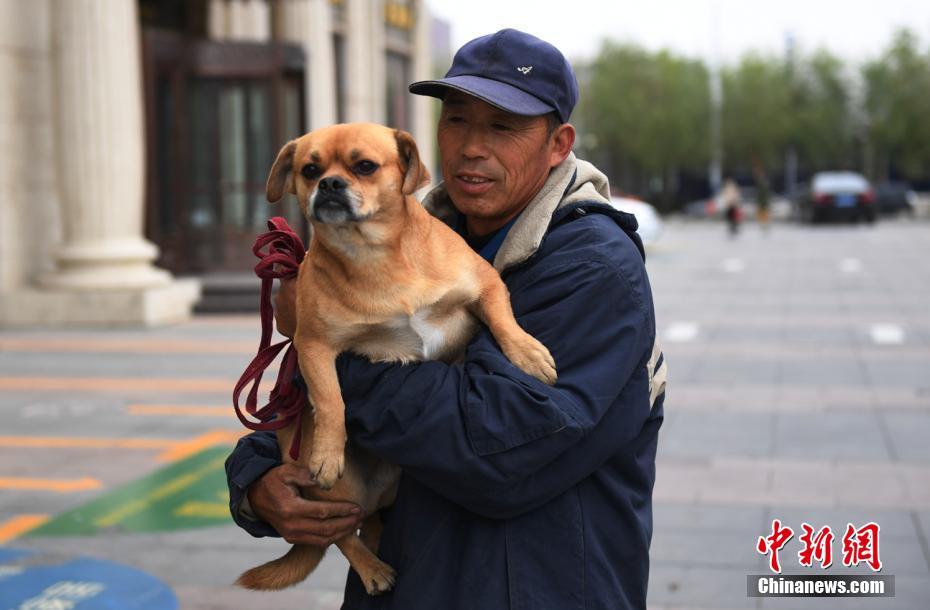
{"x":799,"y":390}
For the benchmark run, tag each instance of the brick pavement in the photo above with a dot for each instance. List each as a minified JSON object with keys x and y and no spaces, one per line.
{"x":786,"y":403}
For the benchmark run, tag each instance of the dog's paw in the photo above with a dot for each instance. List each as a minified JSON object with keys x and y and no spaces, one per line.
{"x":379,"y":577}
{"x":327,"y":467}
{"x":532,"y":357}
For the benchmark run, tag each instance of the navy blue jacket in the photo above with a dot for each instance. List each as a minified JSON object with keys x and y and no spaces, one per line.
{"x":516,"y":495}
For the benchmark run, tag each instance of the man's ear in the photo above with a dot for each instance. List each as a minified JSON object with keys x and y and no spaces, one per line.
{"x":281,"y":176}
{"x":415,"y":173}
{"x":562,"y":140}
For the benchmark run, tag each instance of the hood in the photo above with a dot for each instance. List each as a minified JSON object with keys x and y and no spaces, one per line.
{"x":570,"y":182}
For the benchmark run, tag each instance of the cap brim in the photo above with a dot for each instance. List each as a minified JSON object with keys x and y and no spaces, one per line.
{"x":496,"y":93}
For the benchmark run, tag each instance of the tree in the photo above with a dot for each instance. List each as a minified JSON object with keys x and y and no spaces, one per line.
{"x":897,"y":107}
{"x":822,"y":125}
{"x":645,"y":116}
{"x":757,"y":120}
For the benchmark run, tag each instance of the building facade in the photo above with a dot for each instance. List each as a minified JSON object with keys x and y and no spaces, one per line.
{"x":136,"y":135}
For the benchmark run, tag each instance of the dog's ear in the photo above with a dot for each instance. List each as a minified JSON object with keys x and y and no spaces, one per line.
{"x":415,"y":173}
{"x":281,"y":176}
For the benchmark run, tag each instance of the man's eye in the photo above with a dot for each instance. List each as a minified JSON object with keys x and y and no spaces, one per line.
{"x":454,"y":119}
{"x":310,"y":171}
{"x":501,"y":127}
{"x":365,"y":168}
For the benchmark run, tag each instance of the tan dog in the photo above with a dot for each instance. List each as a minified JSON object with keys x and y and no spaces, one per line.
{"x":386,"y":280}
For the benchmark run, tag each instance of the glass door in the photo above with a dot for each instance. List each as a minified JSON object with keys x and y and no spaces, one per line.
{"x":216,"y":128}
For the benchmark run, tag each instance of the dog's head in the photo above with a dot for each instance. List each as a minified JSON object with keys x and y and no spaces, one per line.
{"x":347,"y":173}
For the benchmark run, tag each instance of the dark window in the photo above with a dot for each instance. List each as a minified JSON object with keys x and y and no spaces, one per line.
{"x":217,"y":114}
{"x":398,"y":98}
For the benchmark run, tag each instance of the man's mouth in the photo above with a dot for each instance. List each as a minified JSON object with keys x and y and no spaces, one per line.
{"x":474,"y":184}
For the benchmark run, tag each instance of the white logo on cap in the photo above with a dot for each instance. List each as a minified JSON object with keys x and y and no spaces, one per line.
{"x":525,"y":69}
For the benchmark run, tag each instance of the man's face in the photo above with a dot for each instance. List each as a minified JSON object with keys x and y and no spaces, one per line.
{"x":493,"y":162}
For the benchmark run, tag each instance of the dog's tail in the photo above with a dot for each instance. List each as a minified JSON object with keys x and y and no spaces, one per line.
{"x":284,"y":571}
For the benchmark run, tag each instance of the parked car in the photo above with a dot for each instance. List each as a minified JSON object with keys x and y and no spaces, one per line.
{"x":834,"y":196}
{"x":650,"y":223}
{"x":895,"y":198}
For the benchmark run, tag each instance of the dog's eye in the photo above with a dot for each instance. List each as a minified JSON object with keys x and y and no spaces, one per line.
{"x":310,"y":171}
{"x":365,"y":168}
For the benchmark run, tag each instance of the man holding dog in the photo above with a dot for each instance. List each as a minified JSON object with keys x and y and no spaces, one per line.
{"x":515,"y":494}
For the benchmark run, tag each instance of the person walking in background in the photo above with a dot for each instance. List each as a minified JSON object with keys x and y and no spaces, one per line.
{"x":730,"y":199}
{"x":762,"y":195}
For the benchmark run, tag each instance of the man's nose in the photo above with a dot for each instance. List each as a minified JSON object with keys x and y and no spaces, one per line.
{"x":333,"y":183}
{"x":474,"y":145}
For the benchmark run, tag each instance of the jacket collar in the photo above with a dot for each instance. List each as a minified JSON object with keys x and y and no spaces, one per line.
{"x":570,"y":182}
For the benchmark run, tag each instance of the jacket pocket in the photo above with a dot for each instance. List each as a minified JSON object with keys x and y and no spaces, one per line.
{"x":546,"y":556}
{"x":496,"y":425}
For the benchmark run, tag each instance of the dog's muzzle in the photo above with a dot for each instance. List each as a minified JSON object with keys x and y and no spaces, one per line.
{"x":332,"y":201}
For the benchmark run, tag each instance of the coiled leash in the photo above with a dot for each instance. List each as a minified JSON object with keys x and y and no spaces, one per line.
{"x":287,"y":400}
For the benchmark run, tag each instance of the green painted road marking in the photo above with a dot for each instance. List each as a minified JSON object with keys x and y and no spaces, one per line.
{"x":187,"y":494}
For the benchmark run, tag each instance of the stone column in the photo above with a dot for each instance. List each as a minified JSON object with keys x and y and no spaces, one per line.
{"x":424,"y":118}
{"x":217,"y":19}
{"x":103,"y":260}
{"x":250,"y":20}
{"x":365,"y":61}
{"x":247,"y":20}
{"x":97,"y":93}
{"x":309,"y":24}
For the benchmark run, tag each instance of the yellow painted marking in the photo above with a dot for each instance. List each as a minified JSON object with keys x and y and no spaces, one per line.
{"x":172,"y":487}
{"x":19,"y":525}
{"x":69,"y":442}
{"x":182,"y":410}
{"x":210,"y":510}
{"x":172,"y":449}
{"x":59,"y":485}
{"x":188,"y":448}
{"x":125,"y":384}
{"x":129,"y":346}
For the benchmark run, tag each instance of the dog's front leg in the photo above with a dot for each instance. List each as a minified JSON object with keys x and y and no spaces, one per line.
{"x":327,"y":455}
{"x":493,"y":308}
{"x":376,"y":575}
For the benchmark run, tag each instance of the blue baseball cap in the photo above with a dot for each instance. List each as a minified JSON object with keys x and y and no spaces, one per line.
{"x":512,"y":70}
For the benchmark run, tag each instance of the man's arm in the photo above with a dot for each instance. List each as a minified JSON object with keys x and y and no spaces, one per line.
{"x":495,"y":440}
{"x":271,"y":491}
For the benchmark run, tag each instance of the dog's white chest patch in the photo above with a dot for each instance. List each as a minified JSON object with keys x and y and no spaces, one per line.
{"x":433,"y":336}
{"x":431,"y":333}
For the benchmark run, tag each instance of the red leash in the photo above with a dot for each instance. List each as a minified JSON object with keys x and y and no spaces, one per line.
{"x":287,"y":400}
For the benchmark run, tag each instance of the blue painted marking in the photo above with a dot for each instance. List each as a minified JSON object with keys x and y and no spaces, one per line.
{"x":38,"y":580}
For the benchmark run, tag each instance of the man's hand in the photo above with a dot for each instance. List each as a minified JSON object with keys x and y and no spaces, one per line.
{"x":285,"y":307}
{"x":275,"y":498}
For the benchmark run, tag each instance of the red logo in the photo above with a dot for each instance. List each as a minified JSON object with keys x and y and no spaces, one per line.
{"x":770,"y":545}
{"x":819,"y":546}
{"x":861,"y":545}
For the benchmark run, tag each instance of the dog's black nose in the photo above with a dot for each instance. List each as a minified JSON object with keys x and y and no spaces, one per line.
{"x":333,"y":183}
